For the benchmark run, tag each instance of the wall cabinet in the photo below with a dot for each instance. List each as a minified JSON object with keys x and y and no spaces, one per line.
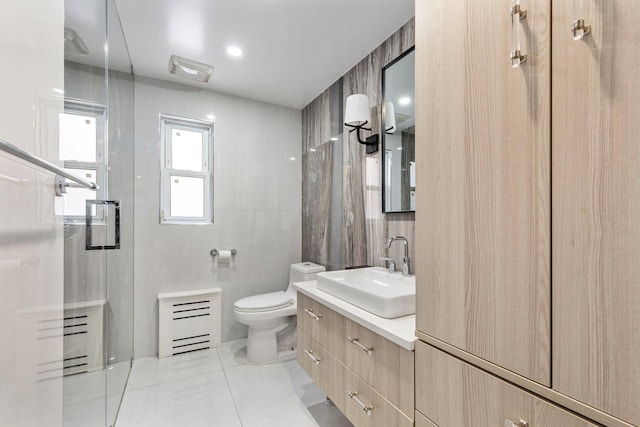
{"x":356,"y":367}
{"x":596,"y":207}
{"x":528,"y":224}
{"x":482,"y":219}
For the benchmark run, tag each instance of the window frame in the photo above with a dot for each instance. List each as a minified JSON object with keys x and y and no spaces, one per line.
{"x":167,"y":124}
{"x":81,"y":107}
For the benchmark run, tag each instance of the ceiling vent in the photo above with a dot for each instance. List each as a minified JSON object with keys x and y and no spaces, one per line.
{"x":73,"y":44}
{"x":190,"y":70}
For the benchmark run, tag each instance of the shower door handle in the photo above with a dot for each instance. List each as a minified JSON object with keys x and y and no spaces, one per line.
{"x":90,"y":246}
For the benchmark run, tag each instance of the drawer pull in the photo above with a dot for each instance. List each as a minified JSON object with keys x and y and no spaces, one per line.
{"x":356,"y":342}
{"x":312,"y":314}
{"x":521,"y":423}
{"x":316,"y":360}
{"x":354,"y":396}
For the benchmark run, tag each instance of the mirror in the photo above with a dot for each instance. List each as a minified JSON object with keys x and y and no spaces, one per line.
{"x":398,"y":140}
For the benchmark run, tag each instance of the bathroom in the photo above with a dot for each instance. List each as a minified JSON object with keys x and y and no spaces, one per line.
{"x":282,"y":185}
{"x":258,"y":153}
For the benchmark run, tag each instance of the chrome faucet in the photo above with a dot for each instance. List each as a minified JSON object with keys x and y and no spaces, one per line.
{"x":405,"y":260}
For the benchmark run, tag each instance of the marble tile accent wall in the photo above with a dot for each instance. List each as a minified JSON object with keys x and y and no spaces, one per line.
{"x":322,"y":187}
{"x":363,"y":227}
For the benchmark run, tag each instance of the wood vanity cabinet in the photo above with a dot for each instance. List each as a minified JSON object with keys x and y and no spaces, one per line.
{"x":382,"y":378}
{"x":528,"y":218}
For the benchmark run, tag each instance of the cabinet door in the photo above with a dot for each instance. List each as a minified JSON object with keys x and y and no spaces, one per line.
{"x":453,"y":393}
{"x":483,"y":213}
{"x":596,"y":206}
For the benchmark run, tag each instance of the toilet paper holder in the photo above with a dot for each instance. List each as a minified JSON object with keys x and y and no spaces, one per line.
{"x":214,"y":252}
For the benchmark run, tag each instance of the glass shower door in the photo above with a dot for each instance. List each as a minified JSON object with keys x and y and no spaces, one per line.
{"x":96,"y":143}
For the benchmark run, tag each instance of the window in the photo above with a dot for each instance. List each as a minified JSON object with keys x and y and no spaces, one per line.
{"x":82,"y":148}
{"x":187,"y":171}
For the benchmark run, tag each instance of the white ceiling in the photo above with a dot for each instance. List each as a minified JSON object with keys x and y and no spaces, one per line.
{"x":293,"y":49}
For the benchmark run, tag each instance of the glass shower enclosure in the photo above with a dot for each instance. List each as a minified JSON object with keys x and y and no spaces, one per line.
{"x":96,"y":143}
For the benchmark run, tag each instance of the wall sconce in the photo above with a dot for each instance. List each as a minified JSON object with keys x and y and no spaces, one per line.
{"x":389,"y":118}
{"x":357,"y":114}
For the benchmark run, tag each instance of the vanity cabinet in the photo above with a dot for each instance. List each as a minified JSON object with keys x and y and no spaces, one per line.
{"x":528,"y":221}
{"x":355,"y":367}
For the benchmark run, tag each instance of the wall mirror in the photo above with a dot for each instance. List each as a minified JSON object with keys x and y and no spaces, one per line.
{"x":398,"y":140}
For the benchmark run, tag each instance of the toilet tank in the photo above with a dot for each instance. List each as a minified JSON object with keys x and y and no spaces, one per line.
{"x":303,"y":271}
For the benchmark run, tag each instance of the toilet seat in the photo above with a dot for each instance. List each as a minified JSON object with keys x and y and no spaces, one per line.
{"x":264,"y":302}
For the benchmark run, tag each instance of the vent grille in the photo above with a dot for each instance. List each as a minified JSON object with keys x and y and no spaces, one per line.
{"x":74,"y":332}
{"x":189,"y":321}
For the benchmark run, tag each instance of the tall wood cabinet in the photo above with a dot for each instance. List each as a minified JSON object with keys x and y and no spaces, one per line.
{"x":528,"y":215}
{"x":482,"y":220}
{"x":596,"y":207}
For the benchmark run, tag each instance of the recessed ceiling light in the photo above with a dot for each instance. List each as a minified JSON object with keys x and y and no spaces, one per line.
{"x":292,"y":158}
{"x":57,"y":90}
{"x":211,"y":117}
{"x":334,"y":139}
{"x":188,"y":69}
{"x":234,"y":51}
{"x":404,"y":100}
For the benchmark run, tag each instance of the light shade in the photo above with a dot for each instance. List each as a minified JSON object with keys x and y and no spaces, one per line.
{"x":190,"y":70}
{"x":389,"y":117}
{"x":356,"y":110}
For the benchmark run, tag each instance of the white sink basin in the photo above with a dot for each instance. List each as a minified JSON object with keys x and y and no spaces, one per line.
{"x":373,"y":289}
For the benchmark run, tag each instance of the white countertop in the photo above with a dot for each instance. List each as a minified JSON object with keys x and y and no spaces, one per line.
{"x":400,"y":331}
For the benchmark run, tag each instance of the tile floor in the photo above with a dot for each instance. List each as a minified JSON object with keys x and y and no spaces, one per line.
{"x":219,"y":388}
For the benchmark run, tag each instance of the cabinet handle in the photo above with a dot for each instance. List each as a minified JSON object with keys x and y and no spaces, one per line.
{"x":517,"y":14}
{"x":354,"y":396}
{"x":578,"y":28}
{"x":356,"y":342}
{"x":312,"y":314}
{"x":316,"y":360}
{"x":521,"y":423}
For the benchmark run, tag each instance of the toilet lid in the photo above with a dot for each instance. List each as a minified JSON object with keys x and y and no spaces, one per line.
{"x":265,"y":302}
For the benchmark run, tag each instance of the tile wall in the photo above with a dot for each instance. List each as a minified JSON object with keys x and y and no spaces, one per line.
{"x":343,"y":224}
{"x":31,"y":251}
{"x":257,"y":204}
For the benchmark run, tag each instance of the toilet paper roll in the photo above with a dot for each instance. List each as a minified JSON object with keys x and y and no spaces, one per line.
{"x":225,"y":256}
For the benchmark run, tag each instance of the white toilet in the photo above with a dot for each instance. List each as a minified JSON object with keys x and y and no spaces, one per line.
{"x":268,"y":314}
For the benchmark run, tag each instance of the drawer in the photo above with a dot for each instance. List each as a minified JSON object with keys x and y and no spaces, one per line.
{"x":327,"y":372}
{"x":323,"y":325}
{"x":453,"y":393}
{"x":386,"y":366}
{"x":367,"y":408}
{"x":309,"y":316}
{"x":307,"y":351}
{"x":332,"y":332}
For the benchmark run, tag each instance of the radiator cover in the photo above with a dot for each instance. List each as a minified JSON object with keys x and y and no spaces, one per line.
{"x":189,"y":321}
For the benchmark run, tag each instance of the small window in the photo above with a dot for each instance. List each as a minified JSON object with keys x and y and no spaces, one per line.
{"x":187,"y":171}
{"x":81,"y":147}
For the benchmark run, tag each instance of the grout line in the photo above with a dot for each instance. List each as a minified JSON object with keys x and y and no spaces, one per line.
{"x":233,"y":399}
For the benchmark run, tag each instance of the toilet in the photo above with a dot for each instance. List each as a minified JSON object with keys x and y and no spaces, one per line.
{"x":270,"y":313}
